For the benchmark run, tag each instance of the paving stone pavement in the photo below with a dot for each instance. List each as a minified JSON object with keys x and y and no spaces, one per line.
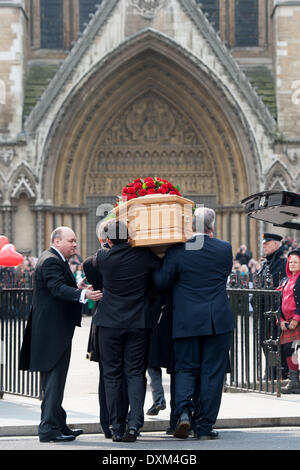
{"x":266,"y":419}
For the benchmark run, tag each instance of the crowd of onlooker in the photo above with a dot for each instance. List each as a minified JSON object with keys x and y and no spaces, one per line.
{"x":20,"y":276}
{"x":245,"y":268}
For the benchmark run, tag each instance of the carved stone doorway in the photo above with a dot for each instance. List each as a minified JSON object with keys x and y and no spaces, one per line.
{"x":151,"y":137}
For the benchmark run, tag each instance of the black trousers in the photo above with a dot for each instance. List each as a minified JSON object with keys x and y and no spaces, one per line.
{"x":53,"y":416}
{"x":200,"y":366}
{"x":104,"y":416}
{"x":123,"y":355}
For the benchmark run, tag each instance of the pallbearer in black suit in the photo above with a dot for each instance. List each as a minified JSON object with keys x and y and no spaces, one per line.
{"x":56,"y":310}
{"x":202,"y":324}
{"x":122,"y":319}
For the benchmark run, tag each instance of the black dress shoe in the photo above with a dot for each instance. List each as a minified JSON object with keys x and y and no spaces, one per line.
{"x":72,"y":432}
{"x":170,"y":431}
{"x":130,"y":435}
{"x":156,"y":408}
{"x":59,"y":438}
{"x":206,"y":437}
{"x":183,"y":426}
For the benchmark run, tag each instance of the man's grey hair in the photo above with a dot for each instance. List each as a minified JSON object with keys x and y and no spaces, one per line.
{"x":57,"y":233}
{"x":115,"y":230}
{"x":101,"y":232}
{"x":204,"y":220}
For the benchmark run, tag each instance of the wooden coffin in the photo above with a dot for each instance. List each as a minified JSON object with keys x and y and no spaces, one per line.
{"x":157,"y":219}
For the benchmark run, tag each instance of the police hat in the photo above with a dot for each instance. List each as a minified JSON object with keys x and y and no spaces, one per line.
{"x":271,"y":236}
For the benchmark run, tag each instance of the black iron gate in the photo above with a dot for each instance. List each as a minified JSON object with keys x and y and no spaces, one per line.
{"x":255,"y":351}
{"x":15,"y":306}
{"x":255,"y":354}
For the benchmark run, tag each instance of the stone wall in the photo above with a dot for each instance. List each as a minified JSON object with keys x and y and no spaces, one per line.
{"x":286,"y":17}
{"x":12,"y":59}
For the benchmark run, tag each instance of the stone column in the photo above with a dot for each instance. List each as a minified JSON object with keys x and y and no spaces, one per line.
{"x":286,"y":20}
{"x":7,"y":211}
{"x":13,"y":21}
{"x":40,"y":223}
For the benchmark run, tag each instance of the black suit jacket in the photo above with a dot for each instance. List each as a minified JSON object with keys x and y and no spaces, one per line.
{"x":125,"y":275}
{"x":55,"y":313}
{"x":198,"y":277}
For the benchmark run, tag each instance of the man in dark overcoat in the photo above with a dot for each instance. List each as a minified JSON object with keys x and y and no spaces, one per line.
{"x":56,"y":310}
{"x":94,"y":278}
{"x":202,"y":324}
{"x":122,"y":318}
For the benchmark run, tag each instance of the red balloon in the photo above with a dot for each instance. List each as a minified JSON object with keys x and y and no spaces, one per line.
{"x":3,"y":241}
{"x":9,"y":257}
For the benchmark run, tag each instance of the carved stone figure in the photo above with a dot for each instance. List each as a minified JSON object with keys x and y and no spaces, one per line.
{"x":148,"y":8}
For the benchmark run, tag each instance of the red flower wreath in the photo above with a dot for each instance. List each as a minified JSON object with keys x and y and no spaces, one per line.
{"x":142,"y":187}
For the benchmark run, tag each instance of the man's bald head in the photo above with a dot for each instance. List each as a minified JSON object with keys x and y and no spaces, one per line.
{"x":64,"y":240}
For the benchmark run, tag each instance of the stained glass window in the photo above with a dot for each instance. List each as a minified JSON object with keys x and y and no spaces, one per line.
{"x":52,"y":24}
{"x":246,"y":23}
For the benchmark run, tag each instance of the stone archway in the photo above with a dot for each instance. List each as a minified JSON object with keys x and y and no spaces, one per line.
{"x":197,"y":136}
{"x":150,"y":135}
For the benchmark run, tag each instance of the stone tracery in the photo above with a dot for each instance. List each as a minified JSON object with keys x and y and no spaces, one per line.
{"x":149,"y":134}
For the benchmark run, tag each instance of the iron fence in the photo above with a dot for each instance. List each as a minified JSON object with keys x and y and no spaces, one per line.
{"x":15,"y":306}
{"x":255,"y":351}
{"x":256,"y":362}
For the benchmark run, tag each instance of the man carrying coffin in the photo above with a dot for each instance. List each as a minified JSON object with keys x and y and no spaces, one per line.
{"x":121,"y":316}
{"x":202,"y":324}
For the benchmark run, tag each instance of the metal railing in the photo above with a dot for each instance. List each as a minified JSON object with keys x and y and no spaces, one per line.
{"x":255,"y":351}
{"x":15,"y":306}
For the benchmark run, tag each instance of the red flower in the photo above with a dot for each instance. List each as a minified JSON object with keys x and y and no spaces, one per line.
{"x":137,"y":186}
{"x":164,"y":188}
{"x":150,"y":184}
{"x":143,"y":186}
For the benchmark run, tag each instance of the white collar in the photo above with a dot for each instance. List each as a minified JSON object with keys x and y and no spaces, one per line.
{"x":61,"y":255}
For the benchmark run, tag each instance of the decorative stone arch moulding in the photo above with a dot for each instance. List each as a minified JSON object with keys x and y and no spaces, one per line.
{"x":22,"y":182}
{"x":148,"y":41}
{"x":278,"y":177}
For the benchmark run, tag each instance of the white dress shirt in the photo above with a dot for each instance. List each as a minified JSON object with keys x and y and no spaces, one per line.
{"x":82,"y":298}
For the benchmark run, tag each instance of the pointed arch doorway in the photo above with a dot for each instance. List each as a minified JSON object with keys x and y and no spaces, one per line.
{"x":150,"y":112}
{"x":150,"y":137}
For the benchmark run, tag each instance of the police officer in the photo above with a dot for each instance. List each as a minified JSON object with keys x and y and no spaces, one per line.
{"x":273,"y":268}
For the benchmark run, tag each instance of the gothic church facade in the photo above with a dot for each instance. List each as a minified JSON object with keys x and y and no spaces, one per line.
{"x":204,"y":93}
